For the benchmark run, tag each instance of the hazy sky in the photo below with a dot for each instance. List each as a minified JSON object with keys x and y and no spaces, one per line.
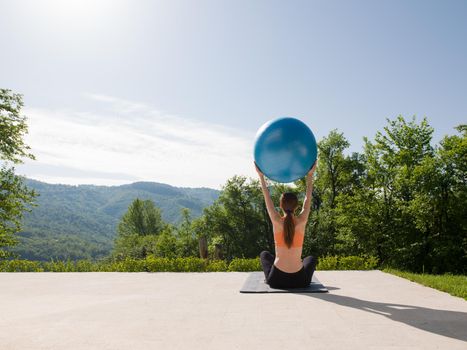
{"x":174,"y":91}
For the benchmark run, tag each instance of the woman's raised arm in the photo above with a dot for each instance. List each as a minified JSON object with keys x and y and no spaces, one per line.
{"x":308,"y":195}
{"x":273,"y":214}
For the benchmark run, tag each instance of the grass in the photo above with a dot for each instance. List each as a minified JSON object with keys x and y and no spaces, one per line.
{"x":455,"y":285}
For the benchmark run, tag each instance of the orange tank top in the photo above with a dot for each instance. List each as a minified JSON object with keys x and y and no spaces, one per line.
{"x":296,"y":243}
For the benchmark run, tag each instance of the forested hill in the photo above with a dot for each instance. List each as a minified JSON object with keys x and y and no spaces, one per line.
{"x":80,"y":221}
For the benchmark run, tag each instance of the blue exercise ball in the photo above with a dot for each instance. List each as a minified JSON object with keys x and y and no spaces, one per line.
{"x":285,"y":149}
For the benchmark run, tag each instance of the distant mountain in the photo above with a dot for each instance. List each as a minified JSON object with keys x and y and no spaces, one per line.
{"x":80,"y":221}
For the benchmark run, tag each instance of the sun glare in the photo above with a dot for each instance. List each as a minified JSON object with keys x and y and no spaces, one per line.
{"x":71,"y":14}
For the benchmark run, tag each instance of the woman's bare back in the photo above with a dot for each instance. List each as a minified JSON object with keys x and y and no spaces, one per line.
{"x":289,"y":259}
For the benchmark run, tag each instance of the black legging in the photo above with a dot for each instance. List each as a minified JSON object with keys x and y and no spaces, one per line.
{"x":279,"y":279}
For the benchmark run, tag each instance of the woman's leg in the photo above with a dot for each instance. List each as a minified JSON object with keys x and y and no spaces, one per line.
{"x":267,"y":260}
{"x":309,"y":264}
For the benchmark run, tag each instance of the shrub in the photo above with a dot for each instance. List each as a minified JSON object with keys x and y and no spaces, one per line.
{"x":347,"y":263}
{"x":217,"y":266}
{"x":371,"y":263}
{"x":244,"y":265}
{"x":130,"y":265}
{"x":59,"y":266}
{"x":20,"y":266}
{"x":351,"y":263}
{"x":327,"y":263}
{"x":188,"y":264}
{"x":156,"y":264}
{"x":86,"y":266}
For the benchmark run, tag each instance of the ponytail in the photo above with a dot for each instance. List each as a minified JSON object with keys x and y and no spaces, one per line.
{"x":289,"y":202}
{"x":289,"y":228}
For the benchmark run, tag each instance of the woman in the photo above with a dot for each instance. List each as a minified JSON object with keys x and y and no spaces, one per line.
{"x":286,"y":269}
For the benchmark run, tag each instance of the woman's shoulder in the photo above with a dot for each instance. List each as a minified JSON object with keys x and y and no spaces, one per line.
{"x":278,"y":219}
{"x":300,"y":220}
{"x":279,"y":222}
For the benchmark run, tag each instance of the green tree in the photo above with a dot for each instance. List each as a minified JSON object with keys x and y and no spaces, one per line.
{"x":138,"y":230}
{"x":235,"y":217}
{"x":166,"y":245}
{"x":15,"y":197}
{"x":142,"y":218}
{"x":392,"y":160}
{"x":337,"y":175}
{"x":331,"y":167}
{"x":438,"y":206}
{"x":134,"y":246}
{"x":187,"y":241}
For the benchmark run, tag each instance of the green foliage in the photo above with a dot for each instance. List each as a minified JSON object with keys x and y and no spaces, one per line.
{"x":59,"y":266}
{"x":80,"y":222}
{"x":86,"y":266}
{"x":217,"y":266}
{"x":141,"y":232}
{"x":171,"y":242}
{"x":20,"y":266}
{"x":401,"y":201}
{"x":371,"y":263}
{"x":238,"y":217}
{"x":455,"y":285}
{"x":327,"y":263}
{"x":190,"y":264}
{"x":154,"y":264}
{"x":417,"y":215}
{"x":126,"y":265}
{"x":392,"y":161}
{"x":160,"y":264}
{"x":238,"y":264}
{"x":332,"y":177}
{"x":337,"y":175}
{"x":142,"y":218}
{"x":134,"y":246}
{"x":166,"y":245}
{"x":15,"y":196}
{"x":215,"y":241}
{"x":13,"y":128}
{"x":186,"y":239}
{"x":60,"y":247}
{"x":347,"y":263}
{"x":355,"y":263}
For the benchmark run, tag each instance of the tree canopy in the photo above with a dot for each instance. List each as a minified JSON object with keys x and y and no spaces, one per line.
{"x":14,"y":195}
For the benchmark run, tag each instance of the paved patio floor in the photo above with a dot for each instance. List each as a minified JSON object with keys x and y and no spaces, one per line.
{"x":363,"y":310}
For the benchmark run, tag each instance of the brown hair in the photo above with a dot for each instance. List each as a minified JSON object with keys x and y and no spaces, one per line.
{"x":288,"y":204}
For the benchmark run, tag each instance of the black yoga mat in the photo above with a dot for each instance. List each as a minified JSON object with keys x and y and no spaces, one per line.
{"x":255,"y":284}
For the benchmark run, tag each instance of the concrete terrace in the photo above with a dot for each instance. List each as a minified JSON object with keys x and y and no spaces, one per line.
{"x":363,"y":310}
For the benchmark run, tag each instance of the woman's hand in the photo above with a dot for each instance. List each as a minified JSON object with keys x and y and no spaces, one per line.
{"x":261,"y":175}
{"x":312,"y":171}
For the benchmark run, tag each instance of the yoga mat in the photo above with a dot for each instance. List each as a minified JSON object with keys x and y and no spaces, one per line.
{"x":255,"y":284}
